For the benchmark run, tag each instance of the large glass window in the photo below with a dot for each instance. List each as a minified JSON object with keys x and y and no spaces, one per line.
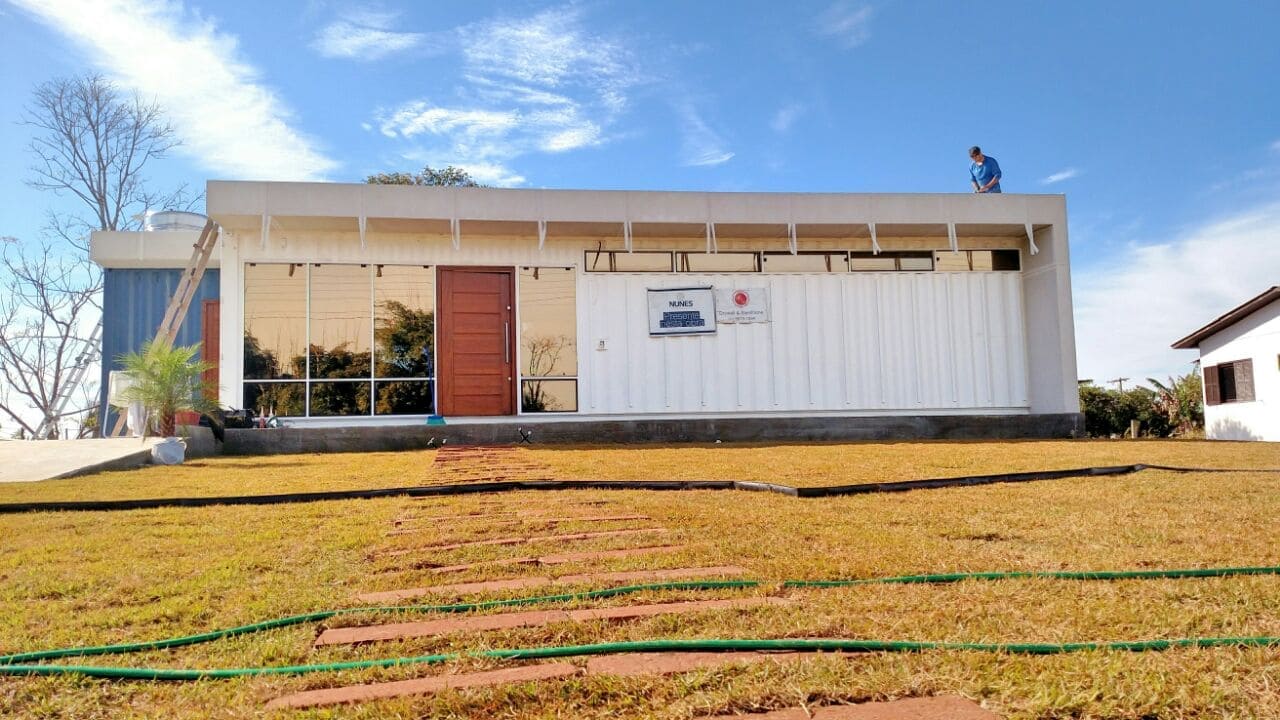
{"x":547,"y":300}
{"x":275,"y":338}
{"x":338,"y":340}
{"x":404,"y":303}
{"x":341,"y":316}
{"x":275,"y":321}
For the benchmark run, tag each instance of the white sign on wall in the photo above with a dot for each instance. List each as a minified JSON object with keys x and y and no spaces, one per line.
{"x":742,"y":305}
{"x":682,"y":311}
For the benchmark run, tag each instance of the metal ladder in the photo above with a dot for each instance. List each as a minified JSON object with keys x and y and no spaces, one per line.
{"x":68,"y":388}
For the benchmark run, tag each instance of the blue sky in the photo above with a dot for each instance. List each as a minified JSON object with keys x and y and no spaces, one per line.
{"x":1158,"y":121}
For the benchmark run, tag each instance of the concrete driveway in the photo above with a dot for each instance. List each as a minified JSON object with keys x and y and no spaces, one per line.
{"x":28,"y":460}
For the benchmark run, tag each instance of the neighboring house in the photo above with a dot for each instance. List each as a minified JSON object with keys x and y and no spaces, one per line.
{"x":1240,"y":359}
{"x":832,"y":314}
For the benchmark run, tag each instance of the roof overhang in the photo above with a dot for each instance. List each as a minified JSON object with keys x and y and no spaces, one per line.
{"x":1230,"y":318}
{"x":248,"y":206}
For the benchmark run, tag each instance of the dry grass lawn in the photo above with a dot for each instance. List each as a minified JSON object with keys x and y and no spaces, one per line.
{"x":91,"y":578}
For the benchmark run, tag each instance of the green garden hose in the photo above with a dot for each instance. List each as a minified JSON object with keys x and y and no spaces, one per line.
{"x":16,"y":664}
{"x":322,"y":615}
{"x":562,"y":651}
{"x":941,"y":578}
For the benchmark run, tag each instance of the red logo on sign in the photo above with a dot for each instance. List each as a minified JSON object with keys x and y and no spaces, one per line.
{"x":741,"y":298}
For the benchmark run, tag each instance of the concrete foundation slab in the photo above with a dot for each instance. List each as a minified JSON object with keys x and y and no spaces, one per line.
{"x":28,"y":460}
{"x":370,"y":438}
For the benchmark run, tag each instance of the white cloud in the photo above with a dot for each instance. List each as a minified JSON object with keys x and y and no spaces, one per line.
{"x":571,"y":139}
{"x":420,"y":116}
{"x":493,"y":174}
{"x":364,"y":35}
{"x":847,"y":21}
{"x":702,"y":146}
{"x":1061,"y":175}
{"x":228,"y":120}
{"x":549,"y":49}
{"x":1275,"y":146}
{"x":540,"y":84}
{"x":786,"y":117}
{"x":1129,"y":312}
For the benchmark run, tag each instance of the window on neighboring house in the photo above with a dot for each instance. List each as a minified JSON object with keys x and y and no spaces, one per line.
{"x":1229,"y":382}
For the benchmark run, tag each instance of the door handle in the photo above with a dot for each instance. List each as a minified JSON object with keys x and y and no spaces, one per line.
{"x":506,"y":342}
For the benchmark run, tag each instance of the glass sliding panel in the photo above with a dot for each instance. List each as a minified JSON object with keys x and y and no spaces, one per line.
{"x":404,"y":397}
{"x":717,"y":262}
{"x":404,"y":303}
{"x":947,"y":261}
{"x":915,"y":262}
{"x":980,"y":260}
{"x":805,"y":262}
{"x":285,"y":399}
{"x":867,"y":262}
{"x":339,"y":398}
{"x":549,"y":396}
{"x":548,"y":322}
{"x":275,"y":321}
{"x":341,"y":322}
{"x":629,"y":261}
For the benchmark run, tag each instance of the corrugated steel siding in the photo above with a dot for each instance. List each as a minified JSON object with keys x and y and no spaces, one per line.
{"x":861,"y":341}
{"x":133,"y":304}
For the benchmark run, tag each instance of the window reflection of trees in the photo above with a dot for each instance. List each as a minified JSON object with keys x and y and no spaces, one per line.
{"x":548,"y":339}
{"x":398,"y":370}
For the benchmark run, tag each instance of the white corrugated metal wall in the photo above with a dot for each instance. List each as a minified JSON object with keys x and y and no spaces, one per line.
{"x":858,"y":341}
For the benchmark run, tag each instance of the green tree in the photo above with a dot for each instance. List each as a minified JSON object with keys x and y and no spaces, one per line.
{"x":447,"y":177}
{"x":1181,"y":401}
{"x":1109,"y":412}
{"x":403,"y":342}
{"x":166,"y":380}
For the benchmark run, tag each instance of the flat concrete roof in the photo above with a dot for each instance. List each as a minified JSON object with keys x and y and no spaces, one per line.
{"x":241,"y":205}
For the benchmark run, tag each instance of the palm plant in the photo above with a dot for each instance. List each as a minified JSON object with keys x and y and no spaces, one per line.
{"x":167,"y":379}
{"x":1180,"y":401}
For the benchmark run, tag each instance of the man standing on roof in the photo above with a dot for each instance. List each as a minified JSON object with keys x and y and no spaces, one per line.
{"x":984,"y":171}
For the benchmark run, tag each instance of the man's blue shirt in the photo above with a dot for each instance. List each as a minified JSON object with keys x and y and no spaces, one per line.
{"x":983,"y":173}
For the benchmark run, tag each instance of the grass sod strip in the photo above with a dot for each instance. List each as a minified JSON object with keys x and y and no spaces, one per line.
{"x":323,"y":615}
{"x":40,"y":655}
{"x":550,"y":485}
{"x":714,"y":645}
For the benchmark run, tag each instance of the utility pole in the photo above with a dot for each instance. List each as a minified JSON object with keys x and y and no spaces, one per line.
{"x":1119,"y":381}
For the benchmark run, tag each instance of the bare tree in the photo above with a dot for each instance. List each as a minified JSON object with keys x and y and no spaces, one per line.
{"x":42,"y":316}
{"x":91,"y":144}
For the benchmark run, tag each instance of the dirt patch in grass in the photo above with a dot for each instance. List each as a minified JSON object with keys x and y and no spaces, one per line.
{"x":91,"y":578}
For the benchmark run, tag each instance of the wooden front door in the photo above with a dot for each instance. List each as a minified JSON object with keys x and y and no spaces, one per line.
{"x":476,"y":343}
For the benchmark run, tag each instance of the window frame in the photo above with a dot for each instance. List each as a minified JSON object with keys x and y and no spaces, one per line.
{"x":1235,"y":374}
{"x":373,"y":379}
{"x":521,"y":378}
{"x":589,"y":266}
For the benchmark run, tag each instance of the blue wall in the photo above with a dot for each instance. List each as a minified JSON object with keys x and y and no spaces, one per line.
{"x":133,"y":304}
